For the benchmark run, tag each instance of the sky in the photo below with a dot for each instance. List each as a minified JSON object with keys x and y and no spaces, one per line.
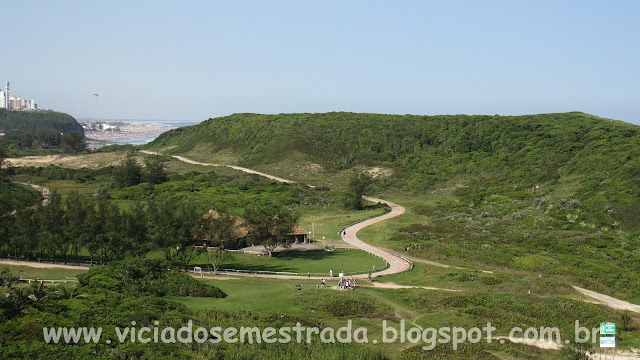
{"x":193,"y":60}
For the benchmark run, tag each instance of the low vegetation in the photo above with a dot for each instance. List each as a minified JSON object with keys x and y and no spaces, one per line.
{"x":33,"y":131}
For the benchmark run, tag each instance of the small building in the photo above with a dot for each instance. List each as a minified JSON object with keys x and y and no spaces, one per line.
{"x":241,"y":231}
{"x":1,"y":132}
{"x":299,"y":235}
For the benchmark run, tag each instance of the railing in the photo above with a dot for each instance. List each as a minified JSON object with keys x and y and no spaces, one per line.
{"x":48,"y":281}
{"x":286,"y":273}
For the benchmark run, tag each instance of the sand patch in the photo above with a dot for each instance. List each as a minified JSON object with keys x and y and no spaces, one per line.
{"x":90,"y":161}
{"x":378,"y":171}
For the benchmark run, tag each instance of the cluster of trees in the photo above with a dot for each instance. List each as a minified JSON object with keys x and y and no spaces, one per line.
{"x":69,"y":142}
{"x":66,"y":227}
{"x":41,"y":130}
{"x":131,"y":173}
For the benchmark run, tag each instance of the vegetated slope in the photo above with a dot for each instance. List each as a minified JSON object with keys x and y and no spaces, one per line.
{"x":517,"y":151}
{"x":34,"y":122}
{"x":39,"y":130}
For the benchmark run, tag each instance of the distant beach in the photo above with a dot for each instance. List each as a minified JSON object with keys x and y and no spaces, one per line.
{"x":100,"y":133}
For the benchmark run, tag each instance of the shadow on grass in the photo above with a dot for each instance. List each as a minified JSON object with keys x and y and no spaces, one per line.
{"x":276,"y":265}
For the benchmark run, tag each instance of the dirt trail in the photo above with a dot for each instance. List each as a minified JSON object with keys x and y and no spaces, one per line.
{"x":189,"y":161}
{"x":608,"y":300}
{"x":423,"y":261}
{"x":396,"y":286}
{"x":39,"y":265}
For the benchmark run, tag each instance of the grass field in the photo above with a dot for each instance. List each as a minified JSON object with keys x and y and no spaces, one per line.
{"x":255,"y":294}
{"x":317,"y":262}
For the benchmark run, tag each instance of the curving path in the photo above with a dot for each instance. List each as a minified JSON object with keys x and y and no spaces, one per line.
{"x":396,"y":264}
{"x":189,"y":161}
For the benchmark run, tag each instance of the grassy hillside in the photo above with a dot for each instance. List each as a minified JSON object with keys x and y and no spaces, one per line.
{"x":37,"y":129}
{"x":429,"y":148}
{"x":32,"y":122}
{"x":511,"y":152}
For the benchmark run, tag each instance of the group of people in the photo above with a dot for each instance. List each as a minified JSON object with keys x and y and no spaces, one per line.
{"x":345,"y":283}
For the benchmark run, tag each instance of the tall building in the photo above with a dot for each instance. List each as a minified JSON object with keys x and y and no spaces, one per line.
{"x":6,"y":96}
{"x":15,"y":102}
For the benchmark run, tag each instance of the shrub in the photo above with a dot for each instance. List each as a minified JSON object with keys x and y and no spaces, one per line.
{"x":349,"y":306}
{"x":144,"y":276}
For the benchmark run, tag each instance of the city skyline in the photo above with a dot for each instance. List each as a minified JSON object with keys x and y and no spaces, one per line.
{"x":150,"y":60}
{"x":13,"y":102}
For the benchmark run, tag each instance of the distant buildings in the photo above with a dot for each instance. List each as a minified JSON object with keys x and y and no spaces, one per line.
{"x":15,"y":102}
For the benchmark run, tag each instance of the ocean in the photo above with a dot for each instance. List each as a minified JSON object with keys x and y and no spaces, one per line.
{"x":127,"y":131}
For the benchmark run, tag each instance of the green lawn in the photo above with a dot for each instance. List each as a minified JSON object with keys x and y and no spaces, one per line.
{"x":317,"y":262}
{"x":255,"y":294}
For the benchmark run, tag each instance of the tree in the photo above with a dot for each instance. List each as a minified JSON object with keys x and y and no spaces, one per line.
{"x":359,"y":184}
{"x":174,"y":229}
{"x":129,"y":173}
{"x":51,"y":219}
{"x":24,"y":239}
{"x":217,"y":230}
{"x":270,"y":225}
{"x":105,"y":238}
{"x":76,"y":227}
{"x":73,"y":141}
{"x":160,"y":227}
{"x":154,"y":170}
{"x":136,"y":240}
{"x":186,"y":223}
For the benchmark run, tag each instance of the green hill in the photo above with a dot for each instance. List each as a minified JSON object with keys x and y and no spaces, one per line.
{"x":37,"y":129}
{"x":423,"y":151}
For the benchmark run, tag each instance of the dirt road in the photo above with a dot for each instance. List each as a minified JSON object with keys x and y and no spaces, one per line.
{"x":609,"y":301}
{"x":39,"y":265}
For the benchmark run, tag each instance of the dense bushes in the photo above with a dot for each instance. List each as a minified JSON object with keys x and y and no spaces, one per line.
{"x":181,"y":284}
{"x":145,"y":276}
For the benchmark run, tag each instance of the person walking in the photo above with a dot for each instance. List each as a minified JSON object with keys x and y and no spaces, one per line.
{"x":331,"y":273}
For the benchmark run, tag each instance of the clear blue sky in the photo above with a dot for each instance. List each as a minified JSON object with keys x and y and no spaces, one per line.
{"x":191,"y":60}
